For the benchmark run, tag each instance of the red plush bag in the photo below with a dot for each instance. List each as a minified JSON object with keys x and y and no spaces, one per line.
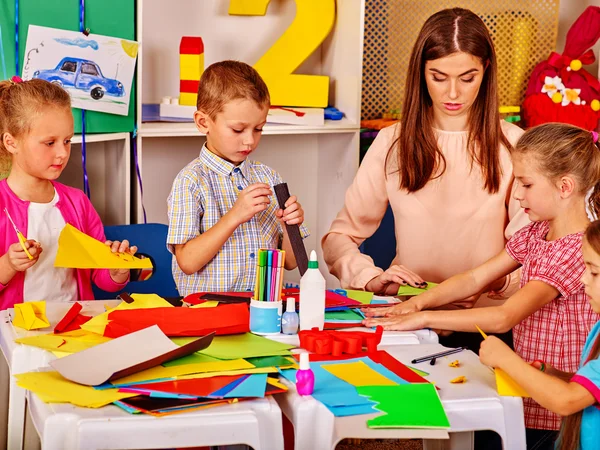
{"x":559,"y":89}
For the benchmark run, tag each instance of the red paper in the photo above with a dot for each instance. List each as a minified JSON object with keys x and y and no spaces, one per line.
{"x":223,"y":319}
{"x":332,"y":299}
{"x":201,"y":297}
{"x":72,"y":320}
{"x":200,"y":387}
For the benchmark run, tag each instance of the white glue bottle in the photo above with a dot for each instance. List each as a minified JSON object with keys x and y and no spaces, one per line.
{"x":312,"y":296}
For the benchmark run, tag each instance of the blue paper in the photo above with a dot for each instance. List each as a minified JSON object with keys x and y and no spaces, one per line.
{"x":126,"y":408}
{"x":253,"y":386}
{"x":221,"y":393}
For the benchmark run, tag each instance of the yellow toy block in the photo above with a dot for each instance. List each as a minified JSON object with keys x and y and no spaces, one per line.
{"x":311,"y":91}
{"x":191,"y":67}
{"x":187,"y":99}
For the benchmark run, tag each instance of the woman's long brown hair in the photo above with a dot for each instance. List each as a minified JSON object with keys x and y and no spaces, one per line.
{"x":417,"y":154}
{"x":570,"y":430}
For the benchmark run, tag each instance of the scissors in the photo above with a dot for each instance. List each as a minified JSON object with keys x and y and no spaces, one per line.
{"x":19,"y":235}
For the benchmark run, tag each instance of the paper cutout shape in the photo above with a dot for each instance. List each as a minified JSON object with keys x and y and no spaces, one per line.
{"x":455,"y":363}
{"x":72,"y":319}
{"x":124,"y":356}
{"x":358,"y":374}
{"x":459,"y":380}
{"x":140,"y":301}
{"x":505,"y":385}
{"x":31,"y":315}
{"x":410,"y":290}
{"x":420,"y":407}
{"x":50,"y":386}
{"x":335,"y":343}
{"x":77,"y":250}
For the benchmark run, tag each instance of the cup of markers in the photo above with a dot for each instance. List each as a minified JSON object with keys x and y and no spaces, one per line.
{"x":266,"y":305}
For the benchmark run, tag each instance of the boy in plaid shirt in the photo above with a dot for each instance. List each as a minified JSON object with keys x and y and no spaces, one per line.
{"x":221,"y":208}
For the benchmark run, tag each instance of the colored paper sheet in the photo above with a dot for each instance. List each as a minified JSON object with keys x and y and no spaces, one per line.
{"x":156,"y":394}
{"x":53,"y":342}
{"x":147,"y":404}
{"x":77,"y":250}
{"x":420,"y":407}
{"x":208,"y":304}
{"x":199,"y":387}
{"x":245,"y":345}
{"x":229,"y":372}
{"x":194,"y":358}
{"x":271,"y":361}
{"x":53,"y":385}
{"x":227,"y":389}
{"x":30,"y":315}
{"x":124,"y":356}
{"x":223,"y":320}
{"x":358,"y":374}
{"x":253,"y":386}
{"x":140,"y":301}
{"x":418,"y":371}
{"x":410,"y":290}
{"x":505,"y":385}
{"x":360,"y":296}
{"x":347,"y":315}
{"x":160,"y":372}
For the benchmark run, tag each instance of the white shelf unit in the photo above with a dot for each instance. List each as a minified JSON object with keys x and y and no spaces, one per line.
{"x":318,"y":163}
{"x":109,"y":174}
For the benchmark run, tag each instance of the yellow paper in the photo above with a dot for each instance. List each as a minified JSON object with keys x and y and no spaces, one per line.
{"x":229,"y":372}
{"x":60,"y":343}
{"x":52,"y":386}
{"x":506,"y":385}
{"x":158,"y":372}
{"x":77,"y":250}
{"x":208,"y":304}
{"x":31,"y":315}
{"x":98,"y":324}
{"x":358,"y":374}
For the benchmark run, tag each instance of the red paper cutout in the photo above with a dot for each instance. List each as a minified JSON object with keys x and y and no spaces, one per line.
{"x":72,"y":320}
{"x":338,"y":342}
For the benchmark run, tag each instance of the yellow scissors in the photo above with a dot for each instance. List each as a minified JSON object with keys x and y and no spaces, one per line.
{"x":19,"y":235}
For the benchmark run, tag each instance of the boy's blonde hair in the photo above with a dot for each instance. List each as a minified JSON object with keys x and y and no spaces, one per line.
{"x":21,"y":102}
{"x":560,"y":149}
{"x":230,"y":80}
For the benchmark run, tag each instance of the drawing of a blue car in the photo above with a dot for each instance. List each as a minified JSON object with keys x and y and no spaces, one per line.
{"x":84,"y":75}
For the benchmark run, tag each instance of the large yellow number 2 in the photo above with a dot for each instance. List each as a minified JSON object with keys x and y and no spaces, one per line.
{"x":313,"y":22}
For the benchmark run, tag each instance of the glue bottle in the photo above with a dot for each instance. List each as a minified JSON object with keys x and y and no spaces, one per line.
{"x":289,"y":320}
{"x":312,"y":296}
{"x":305,"y":378}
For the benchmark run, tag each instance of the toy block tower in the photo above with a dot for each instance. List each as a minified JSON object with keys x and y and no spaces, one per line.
{"x":191,"y":66}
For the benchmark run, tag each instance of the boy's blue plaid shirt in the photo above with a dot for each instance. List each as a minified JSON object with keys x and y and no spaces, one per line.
{"x":202,"y":193}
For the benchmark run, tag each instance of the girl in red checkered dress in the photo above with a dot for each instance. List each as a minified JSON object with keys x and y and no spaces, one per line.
{"x":573,"y":395}
{"x":555,"y":165}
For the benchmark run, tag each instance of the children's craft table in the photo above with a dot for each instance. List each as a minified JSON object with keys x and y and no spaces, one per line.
{"x":474,"y":405}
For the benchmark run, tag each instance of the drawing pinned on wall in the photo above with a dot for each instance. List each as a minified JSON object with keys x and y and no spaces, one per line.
{"x":97,"y":71}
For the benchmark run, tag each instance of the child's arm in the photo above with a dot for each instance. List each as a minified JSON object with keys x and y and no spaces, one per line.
{"x":495,"y":319}
{"x":556,"y":394}
{"x":199,"y":251}
{"x":455,"y":288}
{"x":292,"y":215}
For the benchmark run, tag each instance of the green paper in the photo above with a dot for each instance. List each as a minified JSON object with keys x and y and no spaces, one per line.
{"x":246,"y":345}
{"x":360,"y":296}
{"x":410,"y":290}
{"x":414,"y":405}
{"x":194,"y":358}
{"x":418,"y":372}
{"x":270,"y":361}
{"x":347,"y":314}
{"x":106,"y":17}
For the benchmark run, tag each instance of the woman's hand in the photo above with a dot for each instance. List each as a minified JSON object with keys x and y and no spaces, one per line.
{"x":406,"y":307}
{"x":405,"y":322}
{"x":389,"y":281}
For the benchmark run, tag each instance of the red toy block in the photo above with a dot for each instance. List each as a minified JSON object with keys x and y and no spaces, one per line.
{"x":191,"y":45}
{"x":189,"y":86}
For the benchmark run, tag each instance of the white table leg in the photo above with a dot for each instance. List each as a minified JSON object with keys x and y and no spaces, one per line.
{"x":16,"y":415}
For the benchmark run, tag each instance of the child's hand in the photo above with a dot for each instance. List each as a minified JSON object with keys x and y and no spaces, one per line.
{"x":401,"y":308}
{"x":493,"y":352}
{"x":405,"y":322}
{"x":293,"y":214}
{"x":18,"y":259}
{"x":252,"y":200}
{"x":120,"y":275}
